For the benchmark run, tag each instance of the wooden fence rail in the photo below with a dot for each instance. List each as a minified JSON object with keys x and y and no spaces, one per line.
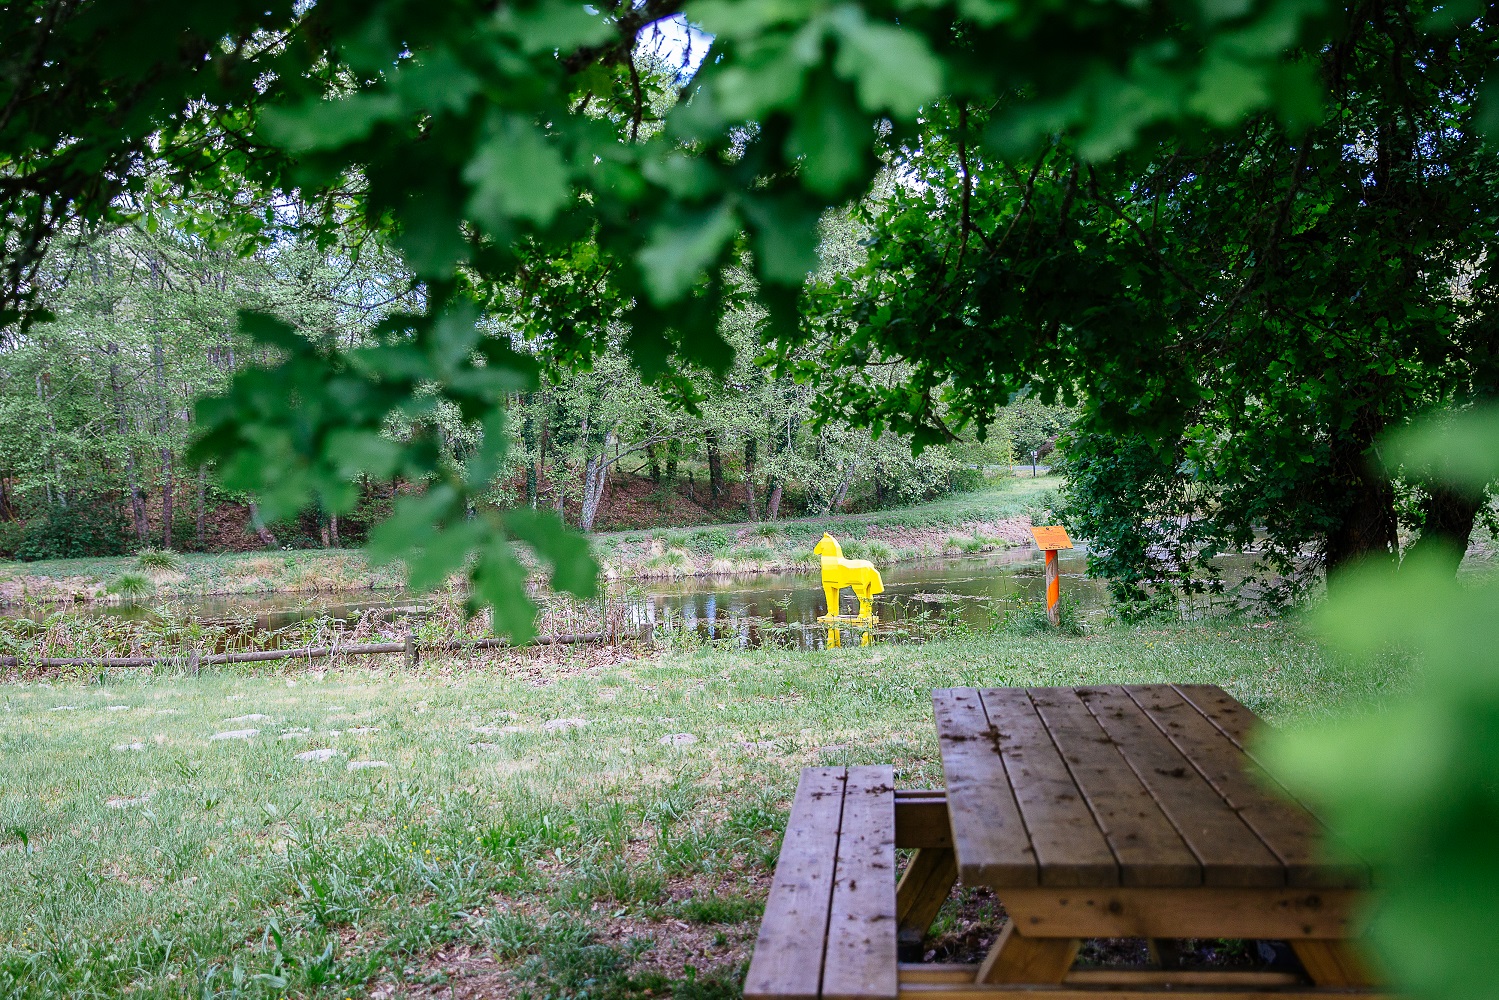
{"x":410,"y":648}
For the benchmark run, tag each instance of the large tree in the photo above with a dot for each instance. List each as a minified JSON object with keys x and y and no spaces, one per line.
{"x":1241,"y":312}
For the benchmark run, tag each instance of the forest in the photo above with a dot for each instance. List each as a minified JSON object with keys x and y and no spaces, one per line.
{"x":99,"y":402}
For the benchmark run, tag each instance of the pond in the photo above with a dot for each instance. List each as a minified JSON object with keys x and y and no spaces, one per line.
{"x":746,"y":609}
{"x":785,"y":608}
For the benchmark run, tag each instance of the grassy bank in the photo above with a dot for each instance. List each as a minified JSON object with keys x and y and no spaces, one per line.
{"x":966,"y":523}
{"x":500,"y":850}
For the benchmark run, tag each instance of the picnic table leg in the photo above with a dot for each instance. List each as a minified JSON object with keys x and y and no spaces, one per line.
{"x":923,"y":889}
{"x":1015,"y":958}
{"x":1332,"y":963}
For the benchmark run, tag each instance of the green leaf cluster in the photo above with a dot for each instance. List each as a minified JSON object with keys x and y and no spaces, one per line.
{"x":1410,"y":787}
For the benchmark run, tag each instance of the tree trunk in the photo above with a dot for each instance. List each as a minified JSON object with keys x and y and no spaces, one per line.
{"x":541,"y":457}
{"x":266,"y":538}
{"x":1366,"y":529}
{"x":137,"y":501}
{"x":673,"y":451}
{"x":653,"y":456}
{"x":750,"y":450}
{"x":595,"y":475}
{"x":842,"y":494}
{"x":773,"y":505}
{"x":61,"y":499}
{"x":1449,"y":523}
{"x":200,"y":520}
{"x":528,"y":438}
{"x":333,"y":530}
{"x":715,"y":469}
{"x":158,"y":359}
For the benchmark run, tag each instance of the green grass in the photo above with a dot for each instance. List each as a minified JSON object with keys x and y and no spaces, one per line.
{"x":182,"y":574}
{"x":588,"y":861}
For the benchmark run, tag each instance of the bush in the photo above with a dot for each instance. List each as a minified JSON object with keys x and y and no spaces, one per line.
{"x":11,"y":534}
{"x":87,"y":527}
{"x":872,"y":549}
{"x":967,"y":479}
{"x":156,"y":560}
{"x":132,"y":585}
{"x":710,"y":540}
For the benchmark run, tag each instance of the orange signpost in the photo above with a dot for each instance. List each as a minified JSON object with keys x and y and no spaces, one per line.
{"x":1049,"y":540}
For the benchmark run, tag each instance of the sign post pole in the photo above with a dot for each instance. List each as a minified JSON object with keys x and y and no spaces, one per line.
{"x":1053,"y":588}
{"x":1050,"y":540}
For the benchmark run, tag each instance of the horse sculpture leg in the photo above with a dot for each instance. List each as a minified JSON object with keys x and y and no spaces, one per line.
{"x":861,"y":591}
{"x":831,"y":592}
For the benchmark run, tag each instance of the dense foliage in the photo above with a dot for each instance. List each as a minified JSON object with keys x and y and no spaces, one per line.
{"x":1241,"y":312}
{"x":488,"y":139}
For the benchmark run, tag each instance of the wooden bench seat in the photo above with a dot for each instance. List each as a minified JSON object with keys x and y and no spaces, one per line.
{"x":830,"y":923}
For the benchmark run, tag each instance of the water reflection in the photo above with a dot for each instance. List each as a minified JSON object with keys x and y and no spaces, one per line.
{"x":783,"y":610}
{"x":745,"y":610}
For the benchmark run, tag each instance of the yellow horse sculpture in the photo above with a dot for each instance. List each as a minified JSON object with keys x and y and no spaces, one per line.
{"x":856,"y":574}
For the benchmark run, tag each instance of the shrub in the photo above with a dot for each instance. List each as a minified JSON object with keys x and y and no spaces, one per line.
{"x":967,"y":479}
{"x":758,"y":553}
{"x":872,"y":549}
{"x":132,"y":585}
{"x":11,"y":534}
{"x":970,"y":545}
{"x":86,"y":527}
{"x":156,"y":560}
{"x":710,"y":540}
{"x":670,"y":562}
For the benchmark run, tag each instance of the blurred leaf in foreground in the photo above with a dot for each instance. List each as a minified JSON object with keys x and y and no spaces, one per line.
{"x":1414,"y":787}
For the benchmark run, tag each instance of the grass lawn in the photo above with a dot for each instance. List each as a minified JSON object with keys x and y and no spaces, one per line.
{"x":599,"y":860}
{"x":965,"y":522}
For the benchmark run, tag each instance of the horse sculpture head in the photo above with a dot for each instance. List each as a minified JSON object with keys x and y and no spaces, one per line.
{"x":828,"y":547}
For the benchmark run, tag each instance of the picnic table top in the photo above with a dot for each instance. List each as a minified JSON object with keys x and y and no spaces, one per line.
{"x":1151,"y":786}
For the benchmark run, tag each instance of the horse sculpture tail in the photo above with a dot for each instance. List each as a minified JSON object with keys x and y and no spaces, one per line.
{"x":876,"y":585}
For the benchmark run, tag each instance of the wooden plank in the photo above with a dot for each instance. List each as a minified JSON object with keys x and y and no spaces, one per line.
{"x":1070,"y":848}
{"x":1235,"y":721}
{"x":861,"y":962}
{"x":1180,"y":977}
{"x":1231,"y":854}
{"x":937,"y":972}
{"x":921,"y":818}
{"x":924,"y":887}
{"x":1292,"y":834}
{"x":1148,"y":847}
{"x":1015,"y":958}
{"x":945,"y":990}
{"x":787,"y":963}
{"x":1286,"y":913}
{"x":1222,"y":710}
{"x":1332,"y":963}
{"x":988,"y":834}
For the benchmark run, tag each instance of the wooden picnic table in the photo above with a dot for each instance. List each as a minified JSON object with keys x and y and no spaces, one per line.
{"x":1095,"y":812}
{"x":1128,"y":811}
